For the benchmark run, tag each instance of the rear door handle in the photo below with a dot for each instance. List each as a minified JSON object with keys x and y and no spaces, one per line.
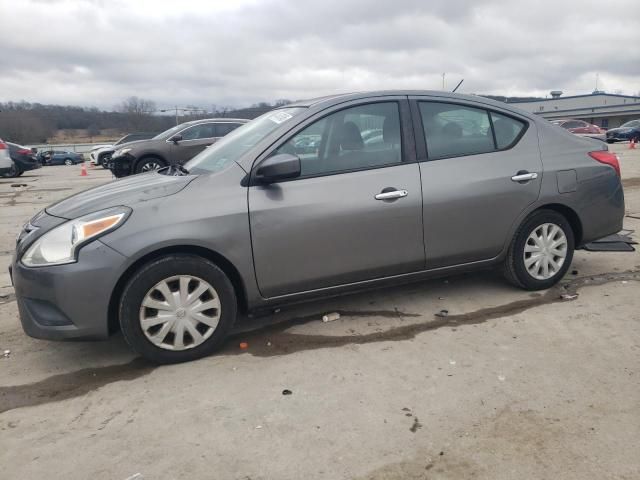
{"x":391,"y":195}
{"x":524,"y":176}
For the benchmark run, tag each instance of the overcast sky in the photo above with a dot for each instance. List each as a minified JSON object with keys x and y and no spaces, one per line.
{"x":237,"y":52}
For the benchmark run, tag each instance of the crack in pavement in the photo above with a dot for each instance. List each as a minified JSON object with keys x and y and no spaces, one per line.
{"x":273,"y":340}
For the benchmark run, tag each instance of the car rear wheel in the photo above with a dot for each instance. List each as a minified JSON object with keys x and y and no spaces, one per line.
{"x":149,"y":164}
{"x":177,"y":308}
{"x":13,"y":172}
{"x":540,"y":252}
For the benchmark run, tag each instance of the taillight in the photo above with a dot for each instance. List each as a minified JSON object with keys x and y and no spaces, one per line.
{"x":25,"y":151}
{"x":3,"y":146}
{"x":607,"y":158}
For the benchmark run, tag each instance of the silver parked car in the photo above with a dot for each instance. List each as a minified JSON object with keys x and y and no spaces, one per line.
{"x":296,"y":205}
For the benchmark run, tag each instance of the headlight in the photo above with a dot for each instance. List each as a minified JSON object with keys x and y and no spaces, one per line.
{"x":59,"y":245}
{"x":122,"y":151}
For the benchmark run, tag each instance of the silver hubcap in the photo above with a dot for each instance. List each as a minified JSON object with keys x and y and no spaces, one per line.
{"x":180,"y":312}
{"x":147,"y":167}
{"x":68,"y":162}
{"x":545,"y":251}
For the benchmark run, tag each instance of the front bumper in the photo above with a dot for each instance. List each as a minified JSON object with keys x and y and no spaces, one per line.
{"x":122,"y":166}
{"x":68,"y":301}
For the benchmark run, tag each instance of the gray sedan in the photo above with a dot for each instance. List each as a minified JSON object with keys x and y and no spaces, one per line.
{"x":266,"y":217}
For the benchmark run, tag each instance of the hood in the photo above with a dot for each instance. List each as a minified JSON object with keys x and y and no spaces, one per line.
{"x":127,"y":191}
{"x":131,"y":144}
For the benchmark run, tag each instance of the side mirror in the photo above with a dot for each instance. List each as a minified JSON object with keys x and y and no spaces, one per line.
{"x":176,"y":138}
{"x":278,"y":167}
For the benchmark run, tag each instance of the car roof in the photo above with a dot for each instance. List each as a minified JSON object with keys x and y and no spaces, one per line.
{"x":331,"y":100}
{"x":221,"y":120}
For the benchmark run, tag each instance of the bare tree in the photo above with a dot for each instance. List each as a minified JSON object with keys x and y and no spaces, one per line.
{"x":138,"y":111}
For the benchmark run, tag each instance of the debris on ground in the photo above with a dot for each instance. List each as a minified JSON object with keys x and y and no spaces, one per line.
{"x":268,"y":344}
{"x":502,"y":378}
{"x":244,"y":345}
{"x":574,"y":272}
{"x":569,"y":296}
{"x":6,"y":353}
{"x":286,"y":392}
{"x":135,"y":476}
{"x":18,"y":185}
{"x":452,"y":362}
{"x":416,"y":425}
{"x":442,"y":313}
{"x":330,"y":317}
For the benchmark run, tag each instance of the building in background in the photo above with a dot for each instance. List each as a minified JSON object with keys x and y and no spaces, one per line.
{"x":606,"y":110}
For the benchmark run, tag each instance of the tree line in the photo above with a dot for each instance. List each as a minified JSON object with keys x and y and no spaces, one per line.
{"x":25,"y":122}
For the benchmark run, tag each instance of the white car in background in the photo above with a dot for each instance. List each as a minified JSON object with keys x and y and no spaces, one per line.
{"x":5,"y":159}
{"x":102,"y":154}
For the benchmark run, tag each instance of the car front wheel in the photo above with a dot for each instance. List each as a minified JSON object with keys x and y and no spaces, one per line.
{"x":541,"y":251}
{"x":177,"y":308}
{"x":149,"y":164}
{"x":68,"y":161}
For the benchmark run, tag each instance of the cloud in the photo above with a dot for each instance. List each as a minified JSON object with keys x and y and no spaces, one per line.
{"x":95,"y":52}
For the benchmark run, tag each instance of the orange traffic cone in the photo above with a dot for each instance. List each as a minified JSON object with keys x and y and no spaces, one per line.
{"x":632,"y":144}
{"x":83,"y":169}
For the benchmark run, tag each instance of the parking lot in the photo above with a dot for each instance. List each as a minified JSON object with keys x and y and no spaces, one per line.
{"x":510,"y":384}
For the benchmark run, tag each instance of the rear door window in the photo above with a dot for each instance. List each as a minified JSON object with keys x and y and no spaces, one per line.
{"x":454,"y":130}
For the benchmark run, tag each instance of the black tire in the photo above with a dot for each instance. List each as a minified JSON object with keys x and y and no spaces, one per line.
{"x":610,"y":141}
{"x":156,"y":271}
{"x":514,"y":266}
{"x":13,"y":172}
{"x":104,"y":161}
{"x":144,"y":164}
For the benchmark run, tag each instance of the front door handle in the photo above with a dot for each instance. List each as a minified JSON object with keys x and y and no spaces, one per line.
{"x":391,"y":195}
{"x":524,"y":176}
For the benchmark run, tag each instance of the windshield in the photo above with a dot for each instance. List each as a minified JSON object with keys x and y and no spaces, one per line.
{"x":232,"y":146}
{"x":631,"y":124}
{"x":169,"y":132}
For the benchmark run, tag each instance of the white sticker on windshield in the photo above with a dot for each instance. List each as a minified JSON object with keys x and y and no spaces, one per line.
{"x":280,"y":117}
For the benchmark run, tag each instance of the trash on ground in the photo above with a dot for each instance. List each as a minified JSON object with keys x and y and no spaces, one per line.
{"x":569,"y":296}
{"x":574,"y":272}
{"x":442,"y":313}
{"x":502,"y":378}
{"x":268,"y":344}
{"x":330,"y":317}
{"x":244,"y":345}
{"x":6,"y":353}
{"x":286,"y":392}
{"x":452,"y":362}
{"x":135,"y":476}
{"x":18,"y":185}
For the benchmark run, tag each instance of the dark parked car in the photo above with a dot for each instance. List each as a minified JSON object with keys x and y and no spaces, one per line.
{"x":62,"y":157}
{"x":23,"y":160}
{"x":102,"y":156}
{"x":625,"y":133}
{"x":454,"y":183}
{"x":174,"y":146}
{"x":579,"y":126}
